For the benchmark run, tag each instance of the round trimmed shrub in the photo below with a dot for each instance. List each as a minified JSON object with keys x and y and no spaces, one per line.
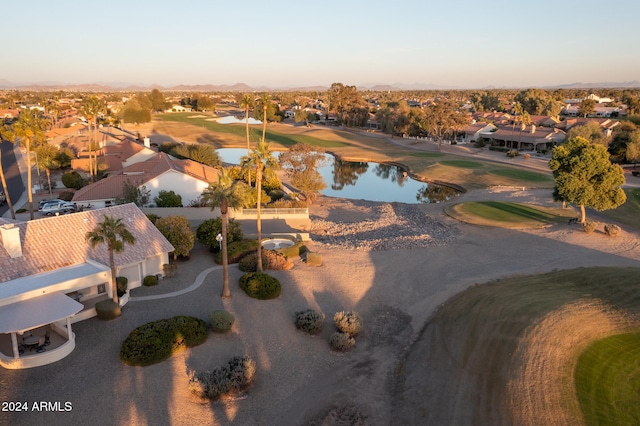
{"x":155,"y":341}
{"x":235,"y":376}
{"x":348,"y":322}
{"x":309,"y":321}
{"x":108,"y":310}
{"x":270,"y":260}
{"x":341,"y":341}
{"x":589,"y":226}
{"x":260,"y":285}
{"x":612,"y":230}
{"x":221,"y":321}
{"x":150,"y":280}
{"x":121,"y":285}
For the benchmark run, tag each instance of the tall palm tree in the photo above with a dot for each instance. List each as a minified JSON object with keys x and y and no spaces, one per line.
{"x":224,"y":194}
{"x":247,"y":103}
{"x":4,"y":181}
{"x":91,"y":107}
{"x":525,"y":120}
{"x":112,"y":232}
{"x":264,"y":100}
{"x":29,"y":129}
{"x":263,"y":160}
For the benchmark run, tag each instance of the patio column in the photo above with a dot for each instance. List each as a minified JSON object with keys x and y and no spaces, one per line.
{"x":68,"y":328}
{"x":14,"y":344}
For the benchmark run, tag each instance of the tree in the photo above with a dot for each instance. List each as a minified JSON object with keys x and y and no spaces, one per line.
{"x":168,"y":199}
{"x":91,"y":107}
{"x":47,"y":160}
{"x":3,"y":131}
{"x":247,"y":104}
{"x":587,"y":107}
{"x":209,"y":229}
{"x":132,"y":193}
{"x":73,"y":180}
{"x":584,"y":176}
{"x":262,"y":159}
{"x":135,"y":112}
{"x":301,"y":164}
{"x":177,"y":230}
{"x":224,"y":194}
{"x":591,"y":131}
{"x":633,"y":147}
{"x":158,"y":103}
{"x":29,"y":129}
{"x":112,"y":232}
{"x":539,"y":102}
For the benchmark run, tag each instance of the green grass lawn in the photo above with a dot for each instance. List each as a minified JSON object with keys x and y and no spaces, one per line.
{"x":427,"y":154}
{"x":628,"y":213}
{"x":508,"y":215}
{"x":522,"y":175}
{"x":462,"y":164}
{"x":607,"y":381}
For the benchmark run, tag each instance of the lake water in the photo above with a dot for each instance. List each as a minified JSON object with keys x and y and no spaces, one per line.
{"x":366,"y":181}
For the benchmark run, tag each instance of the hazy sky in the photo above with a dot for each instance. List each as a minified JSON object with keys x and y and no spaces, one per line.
{"x":453,"y":43}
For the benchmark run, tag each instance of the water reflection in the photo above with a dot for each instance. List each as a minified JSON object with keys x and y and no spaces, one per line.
{"x":435,"y":193}
{"x":393,"y":173}
{"x":347,"y":173}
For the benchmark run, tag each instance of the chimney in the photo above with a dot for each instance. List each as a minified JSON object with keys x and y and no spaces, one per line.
{"x":147,"y":143}
{"x":11,"y":240}
{"x":533,"y":128}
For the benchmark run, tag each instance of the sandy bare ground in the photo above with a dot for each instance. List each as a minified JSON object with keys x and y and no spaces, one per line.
{"x":299,"y":379}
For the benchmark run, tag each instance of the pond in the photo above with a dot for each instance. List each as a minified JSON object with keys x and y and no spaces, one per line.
{"x":367,"y":181}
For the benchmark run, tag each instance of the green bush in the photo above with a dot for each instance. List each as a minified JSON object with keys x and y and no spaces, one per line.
{"x":108,"y":310}
{"x":260,"y":285}
{"x":309,"y":321}
{"x":612,"y":230}
{"x":288,"y":204}
{"x":313,"y":259}
{"x":153,"y":218}
{"x":236,"y":376}
{"x":168,"y":199}
{"x":209,"y":229}
{"x":589,"y":226}
{"x":237,"y":250}
{"x":155,"y":341}
{"x":121,"y":285}
{"x":21,"y":211}
{"x":341,"y":341}
{"x":73,"y":180}
{"x":150,"y":280}
{"x":270,"y":260}
{"x":295,"y":250}
{"x":221,"y":321}
{"x":348,"y":322}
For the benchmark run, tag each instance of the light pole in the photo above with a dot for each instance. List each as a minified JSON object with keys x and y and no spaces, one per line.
{"x":219,"y":240}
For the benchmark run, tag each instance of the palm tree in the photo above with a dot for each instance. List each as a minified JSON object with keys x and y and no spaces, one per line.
{"x":247,"y":103}
{"x":224,"y":194}
{"x":264,"y":100}
{"x":91,"y":107}
{"x":263,"y":160}
{"x":112,"y":232}
{"x":29,"y":128}
{"x":525,"y":120}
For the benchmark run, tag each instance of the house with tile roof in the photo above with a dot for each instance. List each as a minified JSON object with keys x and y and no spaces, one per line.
{"x":51,"y":277}
{"x":474,"y":131}
{"x":187,"y":178}
{"x":533,"y":138}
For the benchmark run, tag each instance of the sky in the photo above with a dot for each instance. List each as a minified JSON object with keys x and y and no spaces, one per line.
{"x":448,"y":43}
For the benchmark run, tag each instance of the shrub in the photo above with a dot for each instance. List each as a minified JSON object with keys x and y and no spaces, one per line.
{"x":341,"y":341}
{"x":21,"y":211}
{"x":168,"y":199}
{"x":589,"y":226}
{"x":209,"y":229}
{"x":73,"y":179}
{"x":295,"y":250}
{"x":108,"y":310}
{"x":513,"y":153}
{"x":270,"y":260}
{"x":66,"y":196}
{"x":480,"y":143}
{"x":348,"y":322}
{"x":221,"y":321}
{"x":260,"y":285}
{"x":313,"y":259}
{"x":309,"y":321}
{"x":121,"y":284}
{"x":169,"y":269}
{"x":237,"y":250}
{"x":236,"y":376}
{"x":288,"y":204}
{"x":177,"y":230}
{"x":150,"y":280}
{"x":153,"y":218}
{"x":612,"y":230}
{"x":155,"y":341}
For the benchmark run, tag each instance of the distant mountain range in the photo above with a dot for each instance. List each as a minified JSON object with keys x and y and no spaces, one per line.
{"x":241,"y":87}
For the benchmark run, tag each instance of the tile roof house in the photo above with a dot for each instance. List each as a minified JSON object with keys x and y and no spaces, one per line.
{"x":115,"y":156}
{"x":51,"y":276}
{"x":530,"y":138}
{"x":160,"y":172}
{"x":474,"y":131}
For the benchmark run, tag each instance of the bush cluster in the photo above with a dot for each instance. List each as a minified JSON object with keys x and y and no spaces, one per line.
{"x":288,"y":204}
{"x":260,"y":285}
{"x":155,"y":341}
{"x":341,"y":341}
{"x":208,"y":230}
{"x":270,"y":260}
{"x":121,"y":285}
{"x":309,"y":321}
{"x":237,"y":250}
{"x":236,"y":376}
{"x":589,"y":226}
{"x":221,"y":321}
{"x":73,"y":180}
{"x":150,"y":280}
{"x":348,"y":322}
{"x":612,"y":230}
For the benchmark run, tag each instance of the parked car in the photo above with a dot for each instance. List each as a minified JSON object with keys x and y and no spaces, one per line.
{"x":57,"y":208}
{"x":45,"y":202}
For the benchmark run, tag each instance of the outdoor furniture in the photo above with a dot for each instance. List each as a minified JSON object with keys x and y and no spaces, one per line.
{"x":37,"y":342}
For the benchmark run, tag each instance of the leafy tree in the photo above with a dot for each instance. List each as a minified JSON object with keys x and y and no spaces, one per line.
{"x":73,"y":180}
{"x":134,"y":112}
{"x":168,"y":199}
{"x":209,"y":229}
{"x":584,"y":176}
{"x":177,"y":230}
{"x":262,"y":160}
{"x":591,"y":131}
{"x":132,"y":193}
{"x":112,"y":232}
{"x":587,"y":107}
{"x":539,"y":102}
{"x":158,"y":102}
{"x":633,"y":147}
{"x":224,"y":194}
{"x":301,"y":164}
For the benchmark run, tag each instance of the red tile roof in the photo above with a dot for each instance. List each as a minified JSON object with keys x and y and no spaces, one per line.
{"x":59,"y":241}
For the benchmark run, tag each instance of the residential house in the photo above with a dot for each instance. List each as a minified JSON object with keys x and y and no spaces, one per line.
{"x":51,"y":277}
{"x":474,"y":131}
{"x":606,"y":124}
{"x":161,"y":172}
{"x":533,"y":138}
{"x":114,"y":157}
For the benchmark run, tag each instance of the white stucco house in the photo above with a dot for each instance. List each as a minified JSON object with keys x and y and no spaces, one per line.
{"x":51,"y":277}
{"x":160,"y":172}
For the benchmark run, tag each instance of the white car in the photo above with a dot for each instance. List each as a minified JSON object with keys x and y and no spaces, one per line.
{"x":57,"y":208}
